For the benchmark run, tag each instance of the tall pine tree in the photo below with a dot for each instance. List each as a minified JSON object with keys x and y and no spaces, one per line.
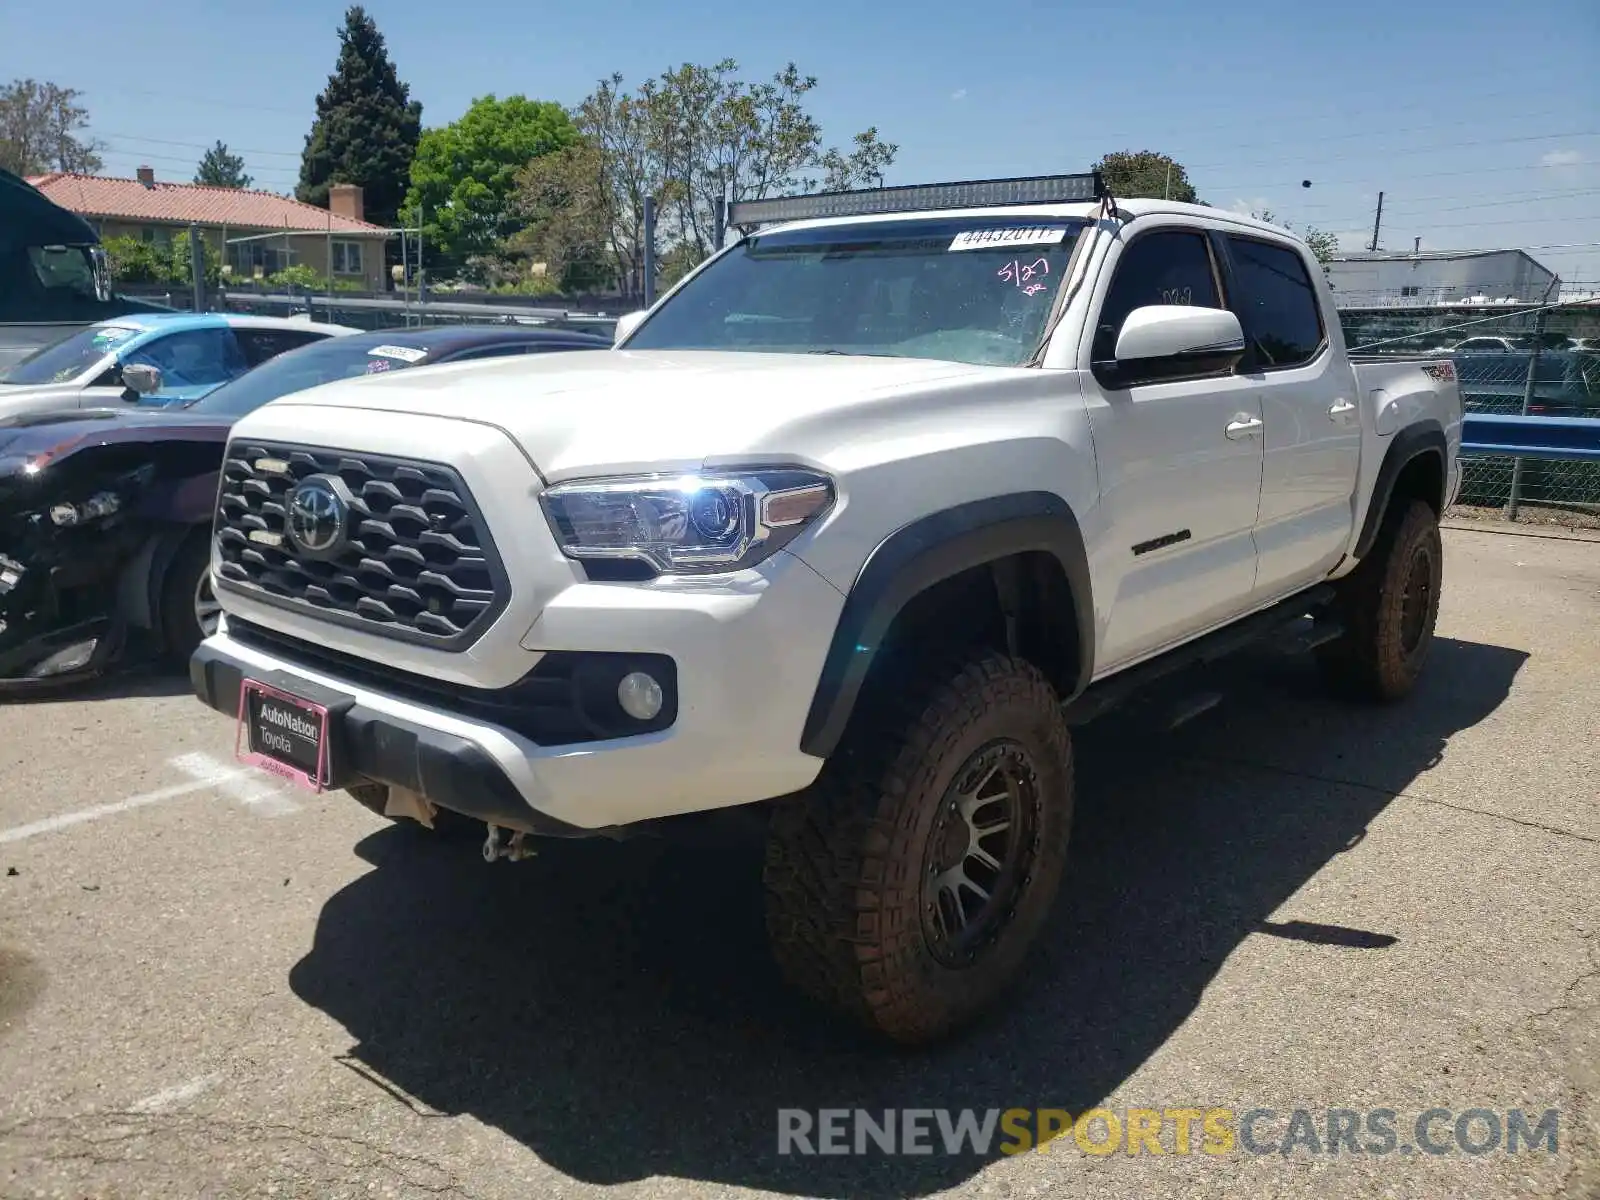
{"x":367,"y":126}
{"x":220,"y":167}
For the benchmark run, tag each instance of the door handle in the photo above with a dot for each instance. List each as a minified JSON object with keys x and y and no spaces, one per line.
{"x":1340,"y":410}
{"x":1244,"y":426}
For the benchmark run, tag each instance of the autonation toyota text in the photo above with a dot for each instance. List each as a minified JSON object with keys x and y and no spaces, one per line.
{"x":1176,"y":1131}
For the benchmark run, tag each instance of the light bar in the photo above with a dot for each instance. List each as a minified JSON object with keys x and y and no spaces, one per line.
{"x":972,"y":193}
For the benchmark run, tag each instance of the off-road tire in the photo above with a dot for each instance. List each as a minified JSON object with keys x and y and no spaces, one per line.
{"x":1388,"y":607}
{"x":847,"y":908}
{"x":180,"y":626}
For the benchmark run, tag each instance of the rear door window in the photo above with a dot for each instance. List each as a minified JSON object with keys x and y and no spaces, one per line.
{"x":258,"y":345}
{"x":1276,"y":302}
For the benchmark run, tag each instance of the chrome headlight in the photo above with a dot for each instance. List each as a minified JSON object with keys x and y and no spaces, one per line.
{"x":687,"y":524}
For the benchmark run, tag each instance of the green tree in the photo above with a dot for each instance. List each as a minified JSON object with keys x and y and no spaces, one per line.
{"x":1130,"y":174}
{"x":463,"y":178}
{"x":221,"y":168}
{"x":569,"y":207}
{"x":862,"y":167}
{"x":688,"y":138}
{"x":39,"y":130}
{"x":181,"y":260}
{"x":1323,"y":245}
{"x":134,"y":261}
{"x":366,"y":128}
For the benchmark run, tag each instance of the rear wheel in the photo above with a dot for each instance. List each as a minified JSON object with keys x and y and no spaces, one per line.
{"x":1388,"y":607}
{"x":906,"y":888}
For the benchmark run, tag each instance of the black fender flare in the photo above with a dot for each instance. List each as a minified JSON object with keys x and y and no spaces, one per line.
{"x":1415,"y":440}
{"x":926,"y":552}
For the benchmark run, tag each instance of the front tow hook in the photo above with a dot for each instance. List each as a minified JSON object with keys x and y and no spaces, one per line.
{"x":516,"y":849}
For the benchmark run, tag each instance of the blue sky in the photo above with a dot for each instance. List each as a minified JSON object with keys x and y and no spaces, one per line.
{"x":1480,"y":120}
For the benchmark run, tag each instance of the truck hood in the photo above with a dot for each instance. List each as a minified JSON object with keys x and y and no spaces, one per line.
{"x":55,"y":433}
{"x":30,"y":397}
{"x":634,"y":410}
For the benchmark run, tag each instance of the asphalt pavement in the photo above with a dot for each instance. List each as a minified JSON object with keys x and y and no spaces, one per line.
{"x":212,"y":985}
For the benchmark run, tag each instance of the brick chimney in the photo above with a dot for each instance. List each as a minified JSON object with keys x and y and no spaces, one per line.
{"x":147,"y":176}
{"x":344,"y":200}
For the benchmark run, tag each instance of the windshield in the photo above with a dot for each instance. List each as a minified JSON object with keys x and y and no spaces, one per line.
{"x":65,"y":360}
{"x":296,"y":370}
{"x":972,"y":290}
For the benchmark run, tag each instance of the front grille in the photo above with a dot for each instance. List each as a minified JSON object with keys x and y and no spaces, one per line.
{"x":418,"y":564}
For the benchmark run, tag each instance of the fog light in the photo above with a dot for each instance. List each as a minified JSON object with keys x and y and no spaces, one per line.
{"x":640,"y":696}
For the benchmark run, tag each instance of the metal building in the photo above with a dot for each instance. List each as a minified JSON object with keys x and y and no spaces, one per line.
{"x":1429,"y":277}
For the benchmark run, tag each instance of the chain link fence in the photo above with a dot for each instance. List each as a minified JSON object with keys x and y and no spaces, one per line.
{"x":1518,"y":359}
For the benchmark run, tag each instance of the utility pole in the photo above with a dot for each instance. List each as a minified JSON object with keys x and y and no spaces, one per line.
{"x":1166,"y":192}
{"x":197,"y":267}
{"x":648,"y":283}
{"x":1377,"y":223}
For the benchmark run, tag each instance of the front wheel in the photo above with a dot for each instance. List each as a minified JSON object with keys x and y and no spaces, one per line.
{"x":906,"y":888}
{"x":190,"y":612}
{"x":1388,"y":606}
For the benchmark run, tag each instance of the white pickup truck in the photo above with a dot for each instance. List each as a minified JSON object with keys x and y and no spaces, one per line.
{"x":850,"y":529}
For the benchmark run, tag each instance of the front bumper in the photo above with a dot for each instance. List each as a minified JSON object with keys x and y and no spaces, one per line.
{"x":747,"y":659}
{"x":48,"y":608}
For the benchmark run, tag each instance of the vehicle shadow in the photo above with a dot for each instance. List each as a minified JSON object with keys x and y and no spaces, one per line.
{"x":614,"y":1009}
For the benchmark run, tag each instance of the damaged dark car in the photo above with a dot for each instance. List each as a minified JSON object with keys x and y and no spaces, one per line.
{"x":105,"y":514}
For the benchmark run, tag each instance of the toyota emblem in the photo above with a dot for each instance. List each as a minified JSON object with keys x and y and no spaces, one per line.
{"x":318,"y":520}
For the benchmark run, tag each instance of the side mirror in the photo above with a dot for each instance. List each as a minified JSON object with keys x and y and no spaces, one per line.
{"x":626,"y":324}
{"x":140,"y":379}
{"x":1191,"y":340}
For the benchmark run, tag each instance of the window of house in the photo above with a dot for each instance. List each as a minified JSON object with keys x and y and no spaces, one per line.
{"x":347,"y":258}
{"x":1276,"y":303}
{"x":1159,"y":268}
{"x":1409,"y":291}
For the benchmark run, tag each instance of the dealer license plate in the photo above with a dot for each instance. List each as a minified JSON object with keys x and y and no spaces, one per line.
{"x":283,"y":734}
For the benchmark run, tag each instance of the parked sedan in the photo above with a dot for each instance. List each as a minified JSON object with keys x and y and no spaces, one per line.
{"x":180,"y":356}
{"x":105,"y":514}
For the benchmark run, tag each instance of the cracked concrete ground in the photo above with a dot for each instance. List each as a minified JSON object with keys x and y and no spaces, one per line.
{"x":1286,"y":903}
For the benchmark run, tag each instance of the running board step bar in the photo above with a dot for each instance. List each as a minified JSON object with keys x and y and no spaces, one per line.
{"x":1100,"y":697}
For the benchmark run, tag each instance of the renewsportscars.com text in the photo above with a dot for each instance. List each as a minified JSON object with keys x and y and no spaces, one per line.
{"x":1176,"y":1131}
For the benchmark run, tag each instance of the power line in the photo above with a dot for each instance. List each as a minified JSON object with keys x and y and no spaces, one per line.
{"x":211,"y":101}
{"x":142,"y":158}
{"x":128,"y":137}
{"x":1384,"y":150}
{"x":1286,"y":183}
{"x":1506,"y":198}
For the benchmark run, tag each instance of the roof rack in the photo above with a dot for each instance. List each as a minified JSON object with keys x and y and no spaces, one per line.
{"x":970,"y":193}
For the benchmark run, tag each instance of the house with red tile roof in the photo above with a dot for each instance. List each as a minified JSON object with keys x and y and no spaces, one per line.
{"x":237,"y":222}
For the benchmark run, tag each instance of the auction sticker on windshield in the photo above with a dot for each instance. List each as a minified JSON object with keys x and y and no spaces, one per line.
{"x":990,"y":239}
{"x":403,"y":353}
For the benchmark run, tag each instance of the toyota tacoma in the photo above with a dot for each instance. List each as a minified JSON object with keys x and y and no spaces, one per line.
{"x":847,"y":532}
